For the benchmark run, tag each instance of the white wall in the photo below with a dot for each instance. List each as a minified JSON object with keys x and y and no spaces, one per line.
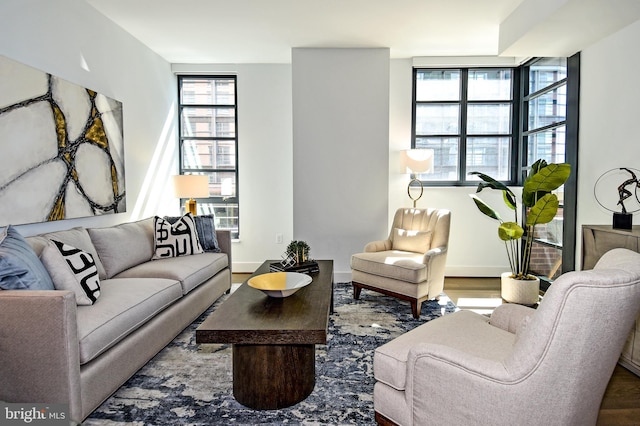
{"x":70,"y":39}
{"x":265,"y":159}
{"x":340,"y":150}
{"x":121,"y":67}
{"x":609,"y":111}
{"x":474,"y":247}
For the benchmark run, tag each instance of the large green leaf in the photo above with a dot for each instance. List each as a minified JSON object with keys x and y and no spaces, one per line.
{"x":489,"y":182}
{"x":509,"y":199}
{"x":543,"y":211}
{"x":545,"y":180}
{"x":510,"y":231}
{"x":484,"y":208}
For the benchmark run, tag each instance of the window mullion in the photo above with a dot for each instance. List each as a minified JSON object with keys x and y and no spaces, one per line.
{"x":462,"y":137}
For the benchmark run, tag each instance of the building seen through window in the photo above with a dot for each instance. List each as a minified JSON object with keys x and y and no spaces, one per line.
{"x":208,"y":143}
{"x":465,"y":116}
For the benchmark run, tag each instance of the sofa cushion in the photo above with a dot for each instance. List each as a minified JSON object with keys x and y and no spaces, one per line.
{"x":414,"y":241}
{"x":124,"y":306}
{"x":191,"y":271}
{"x":390,"y":359}
{"x":72,"y":269}
{"x":404,"y":266}
{"x":178,"y":239}
{"x":125,"y":245}
{"x":79,"y":238}
{"x":206,"y":229}
{"x":20,"y":268}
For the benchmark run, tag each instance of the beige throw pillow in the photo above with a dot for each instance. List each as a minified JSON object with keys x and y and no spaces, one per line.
{"x":415,"y":241}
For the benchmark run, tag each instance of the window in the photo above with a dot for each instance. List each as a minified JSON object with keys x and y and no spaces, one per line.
{"x":465,"y":116}
{"x":209,"y":143}
{"x":549,"y":131}
{"x":499,"y":121}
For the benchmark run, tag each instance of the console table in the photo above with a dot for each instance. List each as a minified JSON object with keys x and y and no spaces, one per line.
{"x":597,"y":240}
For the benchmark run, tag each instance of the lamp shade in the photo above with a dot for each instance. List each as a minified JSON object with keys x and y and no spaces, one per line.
{"x":417,"y":160}
{"x":191,"y":186}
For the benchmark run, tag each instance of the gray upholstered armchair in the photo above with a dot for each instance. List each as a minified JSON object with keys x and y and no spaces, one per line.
{"x":410,"y":263}
{"x":549,"y":366}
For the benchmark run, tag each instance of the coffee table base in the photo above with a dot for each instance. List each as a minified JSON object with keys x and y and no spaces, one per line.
{"x":270,"y":377}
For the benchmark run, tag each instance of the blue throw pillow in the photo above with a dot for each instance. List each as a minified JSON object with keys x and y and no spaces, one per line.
{"x":20,"y":268}
{"x":206,"y":229}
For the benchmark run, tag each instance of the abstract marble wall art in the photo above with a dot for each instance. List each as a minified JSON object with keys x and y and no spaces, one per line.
{"x":61,"y":148}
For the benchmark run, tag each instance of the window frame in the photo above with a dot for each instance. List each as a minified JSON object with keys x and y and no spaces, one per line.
{"x":463,"y":176}
{"x":228,"y":201}
{"x":520,"y":132}
{"x":571,"y":122}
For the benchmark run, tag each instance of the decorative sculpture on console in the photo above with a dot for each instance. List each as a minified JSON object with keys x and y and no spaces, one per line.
{"x":629,"y":187}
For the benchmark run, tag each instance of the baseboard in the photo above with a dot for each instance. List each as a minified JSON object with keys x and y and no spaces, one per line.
{"x":474,"y":271}
{"x":245,"y":267}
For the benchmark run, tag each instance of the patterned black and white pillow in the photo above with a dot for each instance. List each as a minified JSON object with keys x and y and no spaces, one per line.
{"x":72,"y":269}
{"x":206,"y":229}
{"x":179,"y":239}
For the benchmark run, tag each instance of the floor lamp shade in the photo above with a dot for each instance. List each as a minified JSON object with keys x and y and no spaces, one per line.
{"x":416,"y":161}
{"x":191,"y":186}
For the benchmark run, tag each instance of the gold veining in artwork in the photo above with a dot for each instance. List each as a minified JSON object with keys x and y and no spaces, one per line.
{"x":61,"y":127}
{"x":57,"y":212}
{"x":95,"y":132}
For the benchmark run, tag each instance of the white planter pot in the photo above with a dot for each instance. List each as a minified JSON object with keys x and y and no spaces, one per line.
{"x":524,"y":292}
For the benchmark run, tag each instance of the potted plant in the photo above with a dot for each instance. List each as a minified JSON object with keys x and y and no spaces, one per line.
{"x":518,"y":285}
{"x":300,"y":250}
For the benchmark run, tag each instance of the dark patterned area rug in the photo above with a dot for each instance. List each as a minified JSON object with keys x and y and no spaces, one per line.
{"x":191,"y":384}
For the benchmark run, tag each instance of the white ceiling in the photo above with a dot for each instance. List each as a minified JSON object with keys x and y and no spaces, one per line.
{"x":264,"y":31}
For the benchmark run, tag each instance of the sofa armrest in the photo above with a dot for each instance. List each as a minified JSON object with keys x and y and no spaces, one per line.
{"x":224,"y":242}
{"x":39,"y":359}
{"x":380,"y":245}
{"x":510,"y":316}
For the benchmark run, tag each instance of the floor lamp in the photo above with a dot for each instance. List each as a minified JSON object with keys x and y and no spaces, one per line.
{"x":416,"y":161}
{"x":191,"y":186}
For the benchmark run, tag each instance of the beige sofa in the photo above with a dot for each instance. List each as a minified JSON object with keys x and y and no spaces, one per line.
{"x":55,"y":351}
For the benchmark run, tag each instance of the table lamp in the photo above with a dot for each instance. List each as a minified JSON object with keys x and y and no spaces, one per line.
{"x":416,"y":161}
{"x":191,"y":186}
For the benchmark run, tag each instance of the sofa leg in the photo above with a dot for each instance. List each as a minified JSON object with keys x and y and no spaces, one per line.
{"x":416,"y":307}
{"x":356,"y":291}
{"x":382,"y":420}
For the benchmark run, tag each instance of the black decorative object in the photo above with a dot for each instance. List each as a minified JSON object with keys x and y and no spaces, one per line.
{"x":626,"y":181}
{"x":622,"y":221}
{"x":308,"y":267}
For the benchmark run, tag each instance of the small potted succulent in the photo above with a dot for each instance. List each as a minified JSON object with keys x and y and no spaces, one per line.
{"x":300,"y":250}
{"x":541,"y":206}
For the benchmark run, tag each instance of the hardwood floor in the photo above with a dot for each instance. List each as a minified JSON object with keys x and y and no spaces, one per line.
{"x":621,"y":402}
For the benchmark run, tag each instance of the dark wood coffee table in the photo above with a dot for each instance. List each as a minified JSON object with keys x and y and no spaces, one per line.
{"x":273,"y":339}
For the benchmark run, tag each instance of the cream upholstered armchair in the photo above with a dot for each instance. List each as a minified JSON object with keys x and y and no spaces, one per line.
{"x":410,"y":263}
{"x":549,"y":366}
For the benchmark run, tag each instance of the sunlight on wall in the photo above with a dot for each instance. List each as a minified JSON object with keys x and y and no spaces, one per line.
{"x":161,"y":167}
{"x":83,"y":63}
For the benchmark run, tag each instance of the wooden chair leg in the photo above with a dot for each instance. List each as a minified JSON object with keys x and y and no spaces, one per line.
{"x":356,"y":291}
{"x":416,"y":307}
